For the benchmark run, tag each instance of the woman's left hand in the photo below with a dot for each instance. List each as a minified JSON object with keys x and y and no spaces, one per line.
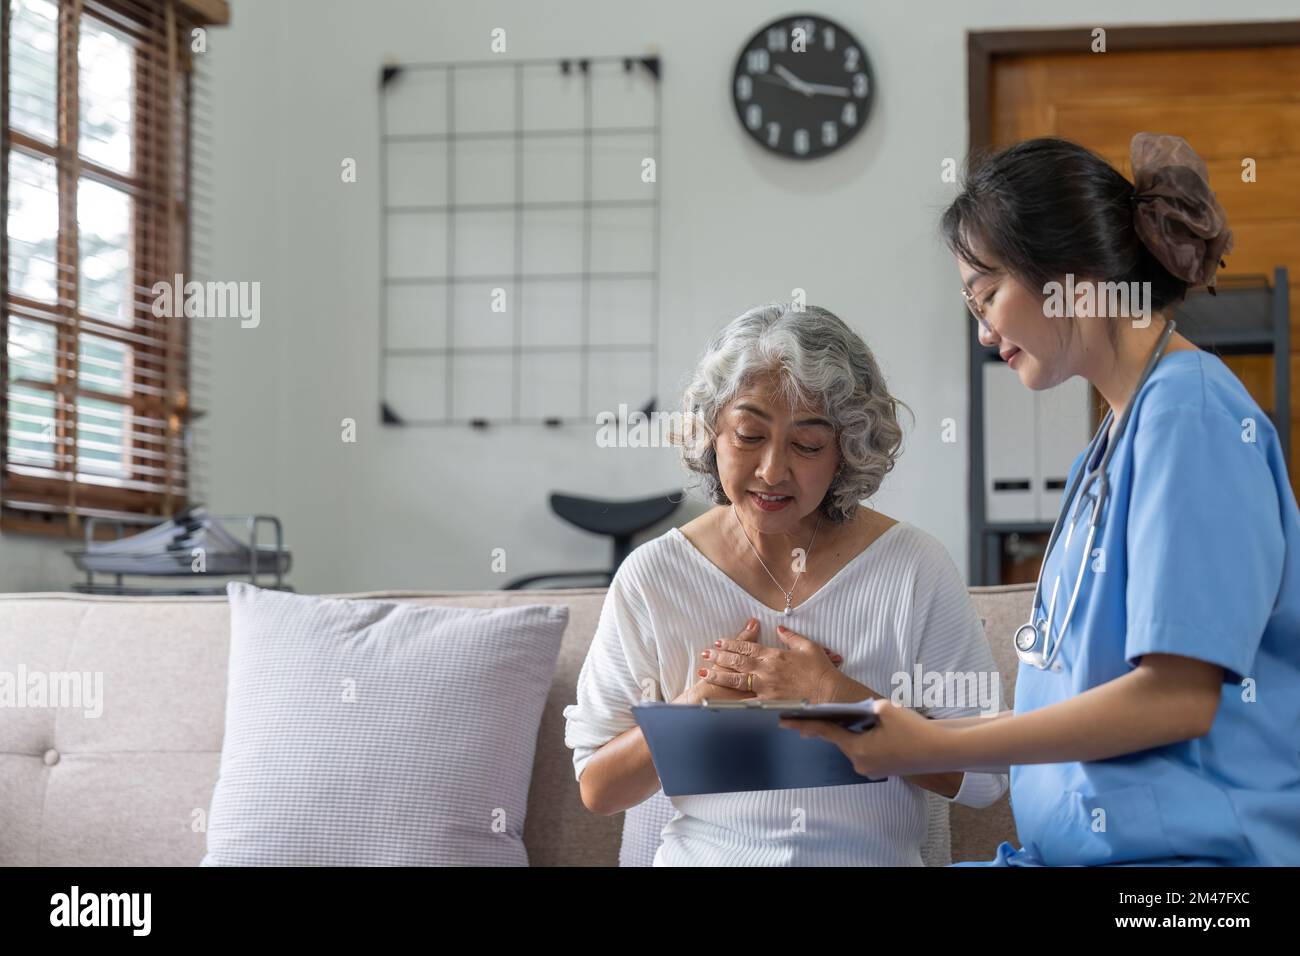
{"x":902,"y":742}
{"x":799,"y":670}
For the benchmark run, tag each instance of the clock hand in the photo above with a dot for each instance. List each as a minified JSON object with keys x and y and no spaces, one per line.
{"x":785,"y":85}
{"x":822,"y":88}
{"x":793,"y":80}
{"x":806,"y":88}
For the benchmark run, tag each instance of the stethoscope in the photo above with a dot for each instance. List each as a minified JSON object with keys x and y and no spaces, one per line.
{"x":1032,"y":644}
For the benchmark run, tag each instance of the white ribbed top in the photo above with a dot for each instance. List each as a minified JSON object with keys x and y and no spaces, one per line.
{"x":898,"y":603}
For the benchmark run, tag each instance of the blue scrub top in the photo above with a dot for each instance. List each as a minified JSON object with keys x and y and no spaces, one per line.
{"x":1200,"y":540}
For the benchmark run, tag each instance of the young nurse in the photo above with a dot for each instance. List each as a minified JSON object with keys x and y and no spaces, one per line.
{"x":1157,"y":711}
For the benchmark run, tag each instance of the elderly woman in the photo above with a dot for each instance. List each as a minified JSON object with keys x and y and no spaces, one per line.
{"x":788,"y":588}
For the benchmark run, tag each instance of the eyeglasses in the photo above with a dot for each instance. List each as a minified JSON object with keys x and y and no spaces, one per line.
{"x":976,"y":309}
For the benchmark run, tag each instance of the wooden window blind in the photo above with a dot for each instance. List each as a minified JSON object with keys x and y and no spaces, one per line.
{"x":95,"y":411}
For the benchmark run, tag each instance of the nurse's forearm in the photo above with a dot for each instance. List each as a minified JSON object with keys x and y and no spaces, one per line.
{"x":976,"y":721}
{"x":1166,"y":699}
{"x":846,"y":690}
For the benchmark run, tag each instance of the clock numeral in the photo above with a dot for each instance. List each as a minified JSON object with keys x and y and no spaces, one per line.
{"x":852,"y":56}
{"x":830,"y":133}
{"x":773,"y":134}
{"x":757,"y":61}
{"x":744,"y":87}
{"x":828,"y":38}
{"x":753,"y":116}
{"x":859,"y":85}
{"x":809,"y":28}
{"x":777,"y":39}
{"x":801,"y":141}
{"x":849,"y":116}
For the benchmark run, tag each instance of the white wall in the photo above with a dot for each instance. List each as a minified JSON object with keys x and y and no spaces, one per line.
{"x":31,"y":563}
{"x":295,"y":91}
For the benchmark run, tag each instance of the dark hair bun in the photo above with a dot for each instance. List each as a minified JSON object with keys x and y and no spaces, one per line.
{"x":1045,"y":208}
{"x":1177,"y":216}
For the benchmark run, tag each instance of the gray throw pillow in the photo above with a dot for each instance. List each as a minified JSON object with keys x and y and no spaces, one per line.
{"x":372,"y":733}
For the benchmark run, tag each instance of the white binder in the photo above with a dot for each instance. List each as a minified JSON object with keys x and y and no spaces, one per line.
{"x":1062,"y":435}
{"x":1030,"y":441}
{"x":1009,"y":440}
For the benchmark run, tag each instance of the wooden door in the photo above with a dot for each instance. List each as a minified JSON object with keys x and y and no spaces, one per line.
{"x":1230,"y":103}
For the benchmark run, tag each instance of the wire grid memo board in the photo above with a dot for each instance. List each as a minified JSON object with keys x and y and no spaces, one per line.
{"x":519,"y":240}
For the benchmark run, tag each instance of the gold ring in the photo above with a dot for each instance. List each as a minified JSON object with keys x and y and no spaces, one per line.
{"x":750,"y":681}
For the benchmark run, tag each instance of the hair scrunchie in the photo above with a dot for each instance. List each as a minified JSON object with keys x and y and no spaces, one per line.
{"x":1175,"y":212}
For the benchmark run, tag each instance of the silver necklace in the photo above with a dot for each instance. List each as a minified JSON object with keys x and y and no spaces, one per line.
{"x":789,"y":595}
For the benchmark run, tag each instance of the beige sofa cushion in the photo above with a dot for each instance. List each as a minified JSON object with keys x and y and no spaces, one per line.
{"x":977,"y":833}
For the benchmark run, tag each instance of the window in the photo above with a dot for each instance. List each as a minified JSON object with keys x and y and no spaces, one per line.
{"x":95,"y":412}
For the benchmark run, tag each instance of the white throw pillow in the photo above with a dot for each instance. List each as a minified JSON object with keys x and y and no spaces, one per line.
{"x":371,"y":733}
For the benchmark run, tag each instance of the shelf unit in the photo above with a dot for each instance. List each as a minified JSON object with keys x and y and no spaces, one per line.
{"x":1249,"y":315}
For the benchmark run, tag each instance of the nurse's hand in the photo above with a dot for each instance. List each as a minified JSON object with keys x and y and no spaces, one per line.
{"x":902,"y":742}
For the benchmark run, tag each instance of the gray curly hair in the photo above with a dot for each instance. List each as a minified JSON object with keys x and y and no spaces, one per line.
{"x":818,"y":362}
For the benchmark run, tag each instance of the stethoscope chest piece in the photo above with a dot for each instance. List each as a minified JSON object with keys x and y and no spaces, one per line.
{"x":1027,"y":638}
{"x":1031,"y":648}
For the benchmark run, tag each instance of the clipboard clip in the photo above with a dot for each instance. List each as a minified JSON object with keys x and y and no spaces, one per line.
{"x":753,"y":704}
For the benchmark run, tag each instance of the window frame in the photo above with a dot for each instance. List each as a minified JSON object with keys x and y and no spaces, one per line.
{"x":158,"y":363}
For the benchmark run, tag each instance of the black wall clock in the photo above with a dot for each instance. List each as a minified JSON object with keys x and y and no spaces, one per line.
{"x":802,"y":86}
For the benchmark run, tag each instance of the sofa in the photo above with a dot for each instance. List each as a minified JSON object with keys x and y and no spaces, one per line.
{"x":127,"y":788}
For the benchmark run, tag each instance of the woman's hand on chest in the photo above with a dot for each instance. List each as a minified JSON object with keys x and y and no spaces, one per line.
{"x":800,"y":669}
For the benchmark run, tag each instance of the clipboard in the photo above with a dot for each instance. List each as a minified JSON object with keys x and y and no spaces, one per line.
{"x":739,"y":745}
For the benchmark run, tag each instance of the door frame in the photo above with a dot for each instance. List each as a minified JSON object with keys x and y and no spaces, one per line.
{"x":982,"y":48}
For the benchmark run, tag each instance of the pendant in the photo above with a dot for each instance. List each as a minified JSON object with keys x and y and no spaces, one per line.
{"x":787,"y":606}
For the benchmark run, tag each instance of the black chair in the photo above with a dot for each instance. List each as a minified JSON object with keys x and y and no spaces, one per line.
{"x":620,"y":520}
